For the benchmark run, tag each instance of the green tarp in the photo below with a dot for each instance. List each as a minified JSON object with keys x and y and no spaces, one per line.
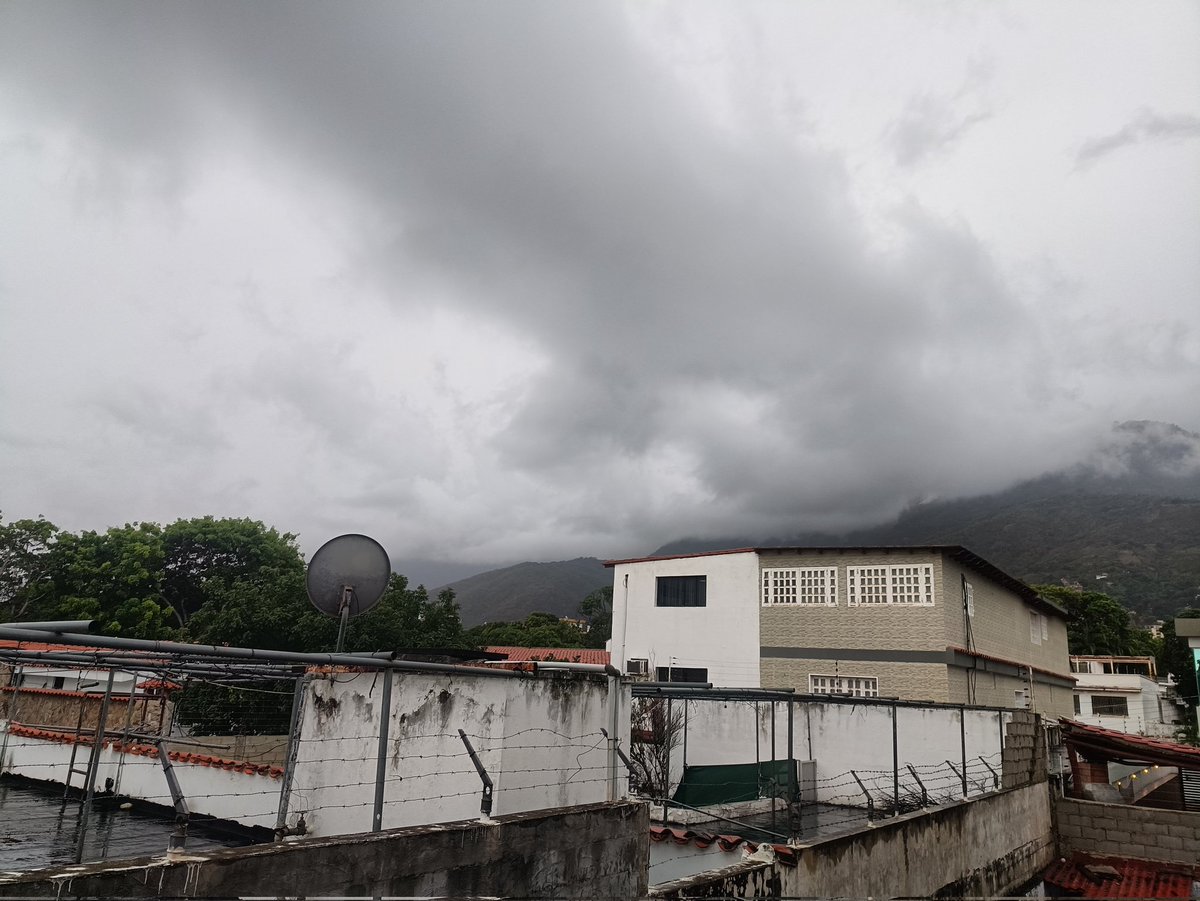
{"x":726,"y":783}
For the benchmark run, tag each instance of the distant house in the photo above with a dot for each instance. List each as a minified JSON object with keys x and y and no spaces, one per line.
{"x":1123,"y":693}
{"x":918,"y":623}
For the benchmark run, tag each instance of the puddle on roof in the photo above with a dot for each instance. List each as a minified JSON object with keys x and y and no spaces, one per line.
{"x":39,"y":829}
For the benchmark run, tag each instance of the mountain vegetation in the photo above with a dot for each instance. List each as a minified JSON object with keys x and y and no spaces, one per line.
{"x":511,"y":593}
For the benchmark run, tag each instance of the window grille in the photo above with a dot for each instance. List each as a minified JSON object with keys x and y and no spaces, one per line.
{"x":909,"y":585}
{"x":854,"y":686}
{"x":804,"y":586}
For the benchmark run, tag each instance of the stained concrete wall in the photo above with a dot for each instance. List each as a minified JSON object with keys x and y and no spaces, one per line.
{"x":985,"y":847}
{"x":226,"y":792}
{"x":1127,"y":831}
{"x":595,"y":851}
{"x":538,"y":738}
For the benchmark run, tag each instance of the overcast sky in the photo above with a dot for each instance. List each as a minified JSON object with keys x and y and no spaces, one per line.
{"x":506,"y":281}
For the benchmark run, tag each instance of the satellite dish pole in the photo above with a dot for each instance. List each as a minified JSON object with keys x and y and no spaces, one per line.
{"x":347,"y":576}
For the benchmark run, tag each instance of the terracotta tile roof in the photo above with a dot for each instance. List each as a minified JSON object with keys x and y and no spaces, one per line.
{"x":161,"y":683}
{"x":1095,"y":876}
{"x":562,"y":655}
{"x":250,"y":769}
{"x":1132,"y":747}
{"x":783,"y":853}
{"x":64,"y":693}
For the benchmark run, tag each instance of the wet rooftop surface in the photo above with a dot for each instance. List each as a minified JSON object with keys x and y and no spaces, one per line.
{"x":39,"y":829}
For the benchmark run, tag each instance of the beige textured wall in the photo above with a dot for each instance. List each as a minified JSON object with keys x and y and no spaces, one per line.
{"x":914,"y":628}
{"x":910,"y":681}
{"x":993,"y":690}
{"x":1001,"y":624}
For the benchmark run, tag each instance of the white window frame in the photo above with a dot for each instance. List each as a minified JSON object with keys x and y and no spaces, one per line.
{"x":854,"y":686}
{"x":800,"y":586}
{"x":969,"y":591}
{"x":892,"y":585}
{"x":1035,"y":627}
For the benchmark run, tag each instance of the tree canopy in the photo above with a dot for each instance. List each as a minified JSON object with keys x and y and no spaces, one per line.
{"x":1097,"y":623}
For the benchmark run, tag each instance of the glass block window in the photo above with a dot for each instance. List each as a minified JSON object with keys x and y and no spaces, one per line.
{"x":866,"y":585}
{"x":909,"y":585}
{"x":854,"y":686}
{"x":803,"y":586}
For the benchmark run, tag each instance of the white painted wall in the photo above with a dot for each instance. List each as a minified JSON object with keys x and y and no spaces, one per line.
{"x":538,"y":738}
{"x":722,"y":637}
{"x":670,"y":860}
{"x":1142,"y":697}
{"x":227,"y":794}
{"x":842,"y":737}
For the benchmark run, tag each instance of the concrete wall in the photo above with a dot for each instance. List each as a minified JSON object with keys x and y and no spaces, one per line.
{"x":228,"y":793}
{"x":538,"y":738}
{"x":595,"y":851}
{"x":1127,"y":831}
{"x":61,"y":708}
{"x":721,"y":637}
{"x":258,"y":749}
{"x":986,"y":847}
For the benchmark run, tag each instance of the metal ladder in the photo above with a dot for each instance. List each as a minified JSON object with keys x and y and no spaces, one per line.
{"x":71,"y":768}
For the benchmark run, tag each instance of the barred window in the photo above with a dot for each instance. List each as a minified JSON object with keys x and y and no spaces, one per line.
{"x":908,"y":585}
{"x":808,"y":586}
{"x":854,"y":686}
{"x":1110,"y":705}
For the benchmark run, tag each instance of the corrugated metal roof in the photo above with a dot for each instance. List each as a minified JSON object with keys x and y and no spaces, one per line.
{"x":562,"y":655}
{"x":1094,"y":876}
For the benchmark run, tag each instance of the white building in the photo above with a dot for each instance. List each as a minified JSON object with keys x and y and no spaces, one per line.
{"x":1123,"y":694}
{"x":933,"y":623}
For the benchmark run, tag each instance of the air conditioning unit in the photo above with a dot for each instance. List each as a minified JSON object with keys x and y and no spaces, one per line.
{"x":638,"y":667}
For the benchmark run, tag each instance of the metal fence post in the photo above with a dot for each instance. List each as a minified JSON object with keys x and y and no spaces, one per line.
{"x":962,"y":732}
{"x":385,"y":719}
{"x":895,"y":765}
{"x":289,"y":765}
{"x":93,"y":765}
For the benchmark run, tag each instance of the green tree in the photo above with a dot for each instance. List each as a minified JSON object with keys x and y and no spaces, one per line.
{"x":113,"y":577}
{"x":205,"y":554}
{"x":1176,"y":659}
{"x":1097,"y":623}
{"x":597,"y":607}
{"x":537,"y":630}
{"x":25,"y":561}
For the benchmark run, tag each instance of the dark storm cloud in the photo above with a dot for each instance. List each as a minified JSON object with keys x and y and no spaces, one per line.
{"x":705,"y":295}
{"x":1146,"y":125}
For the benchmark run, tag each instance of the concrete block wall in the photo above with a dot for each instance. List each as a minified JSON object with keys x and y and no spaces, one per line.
{"x":1024,"y":758}
{"x":598,"y":850}
{"x":1121,"y":829}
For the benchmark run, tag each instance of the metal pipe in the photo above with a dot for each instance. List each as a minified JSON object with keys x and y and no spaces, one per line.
{"x":64,"y":625}
{"x":289,"y":766}
{"x":256,"y":654}
{"x":385,"y":719}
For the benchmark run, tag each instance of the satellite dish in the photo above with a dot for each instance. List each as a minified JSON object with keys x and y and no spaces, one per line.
{"x":347,"y":576}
